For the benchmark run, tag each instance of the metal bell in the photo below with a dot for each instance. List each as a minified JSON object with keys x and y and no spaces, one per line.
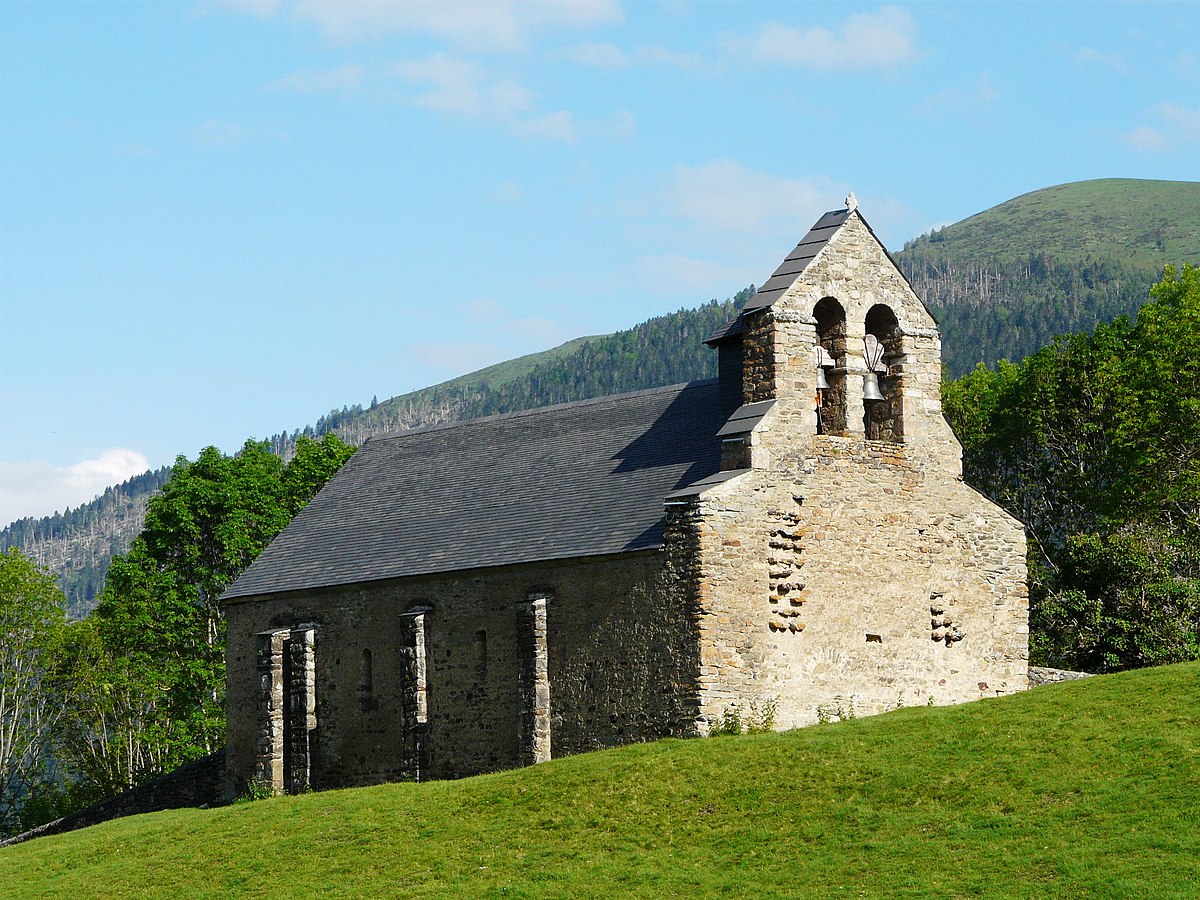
{"x":871,"y":387}
{"x":822,"y":382}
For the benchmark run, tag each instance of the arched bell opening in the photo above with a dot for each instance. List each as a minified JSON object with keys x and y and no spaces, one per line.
{"x":830,"y":361}
{"x":883,"y":395}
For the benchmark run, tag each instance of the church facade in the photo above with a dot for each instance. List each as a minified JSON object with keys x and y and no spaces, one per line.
{"x":793,"y":536}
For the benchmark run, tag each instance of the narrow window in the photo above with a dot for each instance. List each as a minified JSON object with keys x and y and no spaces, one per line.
{"x":481,"y":659}
{"x":365,"y":675}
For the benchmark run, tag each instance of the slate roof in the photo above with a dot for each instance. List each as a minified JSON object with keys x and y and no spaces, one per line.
{"x":579,"y":479}
{"x":788,"y":271}
{"x":745,"y":418}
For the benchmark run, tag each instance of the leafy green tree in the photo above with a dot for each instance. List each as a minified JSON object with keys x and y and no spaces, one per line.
{"x":32,"y":619}
{"x":1156,"y":432}
{"x":149,"y":665}
{"x":1094,"y":442}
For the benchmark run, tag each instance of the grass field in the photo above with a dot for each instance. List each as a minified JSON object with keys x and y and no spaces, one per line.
{"x":1085,"y":789}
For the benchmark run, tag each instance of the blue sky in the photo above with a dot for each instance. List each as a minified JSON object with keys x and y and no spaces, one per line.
{"x":219,"y":220}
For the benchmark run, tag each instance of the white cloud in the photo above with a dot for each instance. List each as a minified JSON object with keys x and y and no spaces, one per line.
{"x":261,"y":8}
{"x":508,"y":191}
{"x":494,"y":24}
{"x":558,"y":126}
{"x":719,"y":226}
{"x":461,"y":87}
{"x":959,"y":100}
{"x":509,"y":336}
{"x":1177,"y":125}
{"x":41,"y":489}
{"x":344,"y":80}
{"x":1184,"y":119}
{"x":458,"y":87}
{"x":725,"y":197}
{"x":694,"y":275}
{"x":1087,"y":56}
{"x":882,"y":39}
{"x":612,"y":58}
{"x":217,"y":134}
{"x":1186,"y":64}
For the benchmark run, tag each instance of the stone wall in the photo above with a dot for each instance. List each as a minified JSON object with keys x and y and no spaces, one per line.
{"x":619,"y":665}
{"x":846,"y":573}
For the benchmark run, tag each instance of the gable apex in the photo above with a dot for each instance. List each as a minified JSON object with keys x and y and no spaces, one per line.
{"x":792,"y":267}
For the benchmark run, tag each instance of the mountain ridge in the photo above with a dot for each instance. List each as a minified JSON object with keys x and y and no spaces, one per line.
{"x":1003,"y":283}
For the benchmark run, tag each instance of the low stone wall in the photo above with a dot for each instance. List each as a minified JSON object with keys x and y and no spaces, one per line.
{"x":1039,"y":675}
{"x":201,"y":783}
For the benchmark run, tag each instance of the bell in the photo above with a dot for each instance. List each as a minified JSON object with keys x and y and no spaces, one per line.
{"x":822,"y":383}
{"x":871,"y":387}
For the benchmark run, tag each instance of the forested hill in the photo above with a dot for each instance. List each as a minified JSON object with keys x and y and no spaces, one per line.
{"x":1003,"y":284}
{"x":78,"y":544}
{"x":664,"y":350}
{"x":1007,"y":281}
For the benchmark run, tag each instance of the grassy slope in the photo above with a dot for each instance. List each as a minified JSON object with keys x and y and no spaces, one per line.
{"x":502,"y":372}
{"x":1142,"y":223}
{"x":1078,"y":790}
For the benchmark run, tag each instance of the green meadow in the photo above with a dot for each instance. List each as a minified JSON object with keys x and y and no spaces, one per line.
{"x":1085,"y":789}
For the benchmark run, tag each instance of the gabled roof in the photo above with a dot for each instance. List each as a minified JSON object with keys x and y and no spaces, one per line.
{"x":579,"y":479}
{"x":789,"y":270}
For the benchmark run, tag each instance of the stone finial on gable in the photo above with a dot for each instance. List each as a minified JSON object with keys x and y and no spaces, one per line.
{"x":851,"y":202}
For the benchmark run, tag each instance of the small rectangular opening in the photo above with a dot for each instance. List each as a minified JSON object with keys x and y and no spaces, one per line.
{"x":874,"y":638}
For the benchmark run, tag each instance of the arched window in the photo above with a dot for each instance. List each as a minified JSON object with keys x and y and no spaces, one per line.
{"x":883,"y":420}
{"x":831,"y":336}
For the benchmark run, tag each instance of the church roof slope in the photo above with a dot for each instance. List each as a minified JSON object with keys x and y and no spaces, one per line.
{"x":579,"y":479}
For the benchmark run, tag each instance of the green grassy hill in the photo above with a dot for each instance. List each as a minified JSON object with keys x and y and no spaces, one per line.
{"x":1007,"y":281}
{"x":1085,"y":789}
{"x":1145,"y":223}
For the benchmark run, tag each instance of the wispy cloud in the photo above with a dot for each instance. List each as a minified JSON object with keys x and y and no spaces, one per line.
{"x":510,"y":335}
{"x":1186,"y":65}
{"x":41,"y":489}
{"x":484,"y":24}
{"x":217,"y":134}
{"x":344,"y":80}
{"x":1086,"y":57}
{"x":691,"y":274}
{"x":959,"y":100}
{"x":612,"y":58}
{"x":884,"y":39}
{"x":261,"y":8}
{"x":508,"y":191}
{"x":1176,"y":125}
{"x":725,"y":197}
{"x":459,"y":87}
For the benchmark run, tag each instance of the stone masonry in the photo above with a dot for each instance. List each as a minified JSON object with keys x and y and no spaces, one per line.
{"x":845,"y":573}
{"x":834,"y":564}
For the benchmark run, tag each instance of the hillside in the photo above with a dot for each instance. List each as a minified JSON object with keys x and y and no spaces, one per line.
{"x":1003,"y":283}
{"x":1083,"y":789}
{"x":1007,"y":281}
{"x":78,"y":544}
{"x":663,"y":350}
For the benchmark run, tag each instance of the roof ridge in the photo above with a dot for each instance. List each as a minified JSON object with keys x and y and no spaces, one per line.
{"x":537,"y":410}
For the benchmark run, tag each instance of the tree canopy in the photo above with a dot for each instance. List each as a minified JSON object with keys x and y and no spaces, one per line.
{"x":142,"y":679}
{"x":32,"y":619}
{"x":1094,"y":442}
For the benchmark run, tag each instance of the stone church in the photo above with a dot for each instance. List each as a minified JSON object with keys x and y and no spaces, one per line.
{"x":793,"y":535}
